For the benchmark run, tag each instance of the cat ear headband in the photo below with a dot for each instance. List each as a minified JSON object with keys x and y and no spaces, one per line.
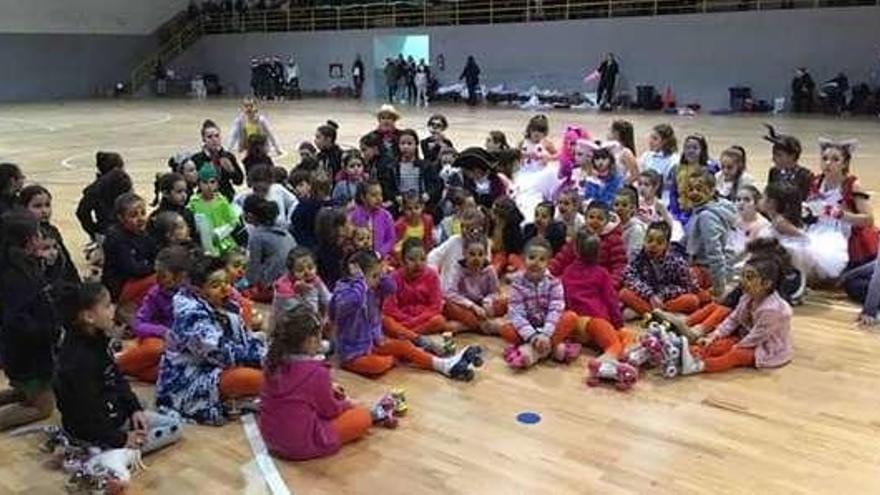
{"x":849,"y":145}
{"x":611,"y":146}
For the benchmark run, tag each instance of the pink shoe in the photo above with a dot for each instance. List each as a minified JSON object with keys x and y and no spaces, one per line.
{"x":567,"y":352}
{"x":622,"y":374}
{"x":514,"y":358}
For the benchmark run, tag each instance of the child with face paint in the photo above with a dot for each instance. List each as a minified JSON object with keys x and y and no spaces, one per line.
{"x":758,"y":332}
{"x":632,"y":229}
{"x":538,"y":327}
{"x":129,"y":252}
{"x":445,"y":256}
{"x":659,"y":277}
{"x":546,"y":227}
{"x":842,"y":213}
{"x":694,"y":159}
{"x":707,"y":232}
{"x":612,"y":253}
{"x":473,"y":299}
{"x":209,"y":356}
{"x":604,"y":180}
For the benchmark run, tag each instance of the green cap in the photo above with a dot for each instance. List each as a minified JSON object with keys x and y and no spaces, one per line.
{"x":207,"y":172}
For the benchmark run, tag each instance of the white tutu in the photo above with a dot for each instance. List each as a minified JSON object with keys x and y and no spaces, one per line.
{"x":533,"y":184}
{"x":798,"y":248}
{"x":828,"y":248}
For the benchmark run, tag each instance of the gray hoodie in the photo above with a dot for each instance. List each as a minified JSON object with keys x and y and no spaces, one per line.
{"x":706,"y":240}
{"x":267,"y":251}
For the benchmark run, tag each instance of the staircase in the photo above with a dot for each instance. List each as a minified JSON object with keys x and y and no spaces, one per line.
{"x":183,"y":37}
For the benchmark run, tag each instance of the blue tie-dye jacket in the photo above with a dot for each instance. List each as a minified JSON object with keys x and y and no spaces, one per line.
{"x":201,"y":344}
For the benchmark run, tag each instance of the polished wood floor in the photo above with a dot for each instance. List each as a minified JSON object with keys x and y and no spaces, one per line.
{"x":810,"y":427}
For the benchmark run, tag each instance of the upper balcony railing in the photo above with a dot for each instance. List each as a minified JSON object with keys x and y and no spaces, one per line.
{"x":456,"y":13}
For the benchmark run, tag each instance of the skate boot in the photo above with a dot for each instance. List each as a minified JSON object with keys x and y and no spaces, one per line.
{"x":622,"y":374}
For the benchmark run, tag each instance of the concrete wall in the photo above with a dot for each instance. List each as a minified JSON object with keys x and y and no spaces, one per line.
{"x":700,"y":56}
{"x":86,"y":16}
{"x":46,"y":66}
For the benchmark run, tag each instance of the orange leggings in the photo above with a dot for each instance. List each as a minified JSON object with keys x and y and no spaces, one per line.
{"x":462,"y":314}
{"x":506,"y":263}
{"x":133,"y":291}
{"x":382,"y":358}
{"x":709,"y":316}
{"x":352,"y":424}
{"x":397,"y":330}
{"x":240,"y":381}
{"x":602,"y":333}
{"x":142,"y":360}
{"x":723,"y":355}
{"x":685,"y":303}
{"x":566,"y":325}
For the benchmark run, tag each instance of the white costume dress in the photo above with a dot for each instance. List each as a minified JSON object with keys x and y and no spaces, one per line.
{"x":829,"y":236}
{"x":535,"y":181}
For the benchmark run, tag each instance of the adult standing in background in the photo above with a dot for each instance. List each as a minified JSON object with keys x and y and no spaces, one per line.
{"x":391,"y":78}
{"x":161,"y":76}
{"x":357,"y":76}
{"x":471,"y":76}
{"x":607,"y":70}
{"x":291,"y":74}
{"x":410,"y":80}
{"x":802,"y":89}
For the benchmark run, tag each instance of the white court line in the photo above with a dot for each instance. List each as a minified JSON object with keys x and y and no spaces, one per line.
{"x":261,"y":455}
{"x":30,"y":123}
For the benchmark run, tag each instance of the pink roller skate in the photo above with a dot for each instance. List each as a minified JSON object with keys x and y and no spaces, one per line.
{"x":567,"y":352}
{"x":383,"y":412}
{"x":622,"y":374}
{"x":514,"y":358}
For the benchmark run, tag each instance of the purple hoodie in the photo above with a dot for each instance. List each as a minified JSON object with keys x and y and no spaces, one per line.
{"x":380,"y":222}
{"x":156,"y":313}
{"x":357,"y":313}
{"x":300,"y":388}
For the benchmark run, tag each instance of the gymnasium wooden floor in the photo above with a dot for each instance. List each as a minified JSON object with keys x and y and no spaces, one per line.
{"x":810,"y":427}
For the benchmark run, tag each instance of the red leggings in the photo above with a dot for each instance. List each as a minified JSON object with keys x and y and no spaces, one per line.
{"x":685,"y":303}
{"x":142,"y":359}
{"x":466,"y":316}
{"x":352,"y":424}
{"x":723,"y":354}
{"x":240,"y":381}
{"x":397,"y":330}
{"x":709,"y":316}
{"x":382,"y":358}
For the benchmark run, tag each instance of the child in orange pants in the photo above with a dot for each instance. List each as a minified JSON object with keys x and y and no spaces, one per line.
{"x":360,"y":343}
{"x":590,"y":296}
{"x":416,"y":309}
{"x":507,"y":237}
{"x":155,"y":316}
{"x":473,"y":301}
{"x":659,"y":277}
{"x":538,"y":326}
{"x":758,"y":332}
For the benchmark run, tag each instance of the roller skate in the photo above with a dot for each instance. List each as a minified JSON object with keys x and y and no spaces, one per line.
{"x":448,"y":343}
{"x":383,"y":412}
{"x":622,"y":374}
{"x":515,"y":358}
{"x":690,"y":364}
{"x":567,"y":352}
{"x":437,"y":347}
{"x":671,"y":366}
{"x":675,"y":323}
{"x":464,"y":362}
{"x":398,"y":395}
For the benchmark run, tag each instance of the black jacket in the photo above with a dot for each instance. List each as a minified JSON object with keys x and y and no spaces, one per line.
{"x":183,"y":211}
{"x":555,"y":234}
{"x":94,"y":211}
{"x":94,"y":398}
{"x":431,"y":148}
{"x":127,"y":256}
{"x":226,"y":179}
{"x":63,"y":270}
{"x":30,"y":329}
{"x":331,"y":161}
{"x":387,"y":172}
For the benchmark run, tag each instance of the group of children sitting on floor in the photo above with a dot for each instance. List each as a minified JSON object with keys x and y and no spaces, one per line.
{"x":368,"y":254}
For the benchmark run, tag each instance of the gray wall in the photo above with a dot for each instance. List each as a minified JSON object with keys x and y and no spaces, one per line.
{"x":41,"y":66}
{"x":700,"y":56}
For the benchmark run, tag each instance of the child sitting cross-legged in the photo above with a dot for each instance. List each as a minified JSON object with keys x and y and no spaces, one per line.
{"x":155,"y":316}
{"x":659,"y":277}
{"x":96,"y":403}
{"x":538,"y":328}
{"x":298,"y":385}
{"x":473,"y":298}
{"x":355,"y":309}
{"x":268,"y":245}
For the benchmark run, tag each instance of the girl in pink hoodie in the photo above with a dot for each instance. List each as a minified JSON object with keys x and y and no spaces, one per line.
{"x":298,"y":385}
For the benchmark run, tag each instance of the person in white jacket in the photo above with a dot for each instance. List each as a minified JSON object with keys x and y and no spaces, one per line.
{"x":250,"y":122}
{"x":445,"y":256}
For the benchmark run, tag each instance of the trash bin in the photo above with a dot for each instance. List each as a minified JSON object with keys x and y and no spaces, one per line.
{"x":738,"y":97}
